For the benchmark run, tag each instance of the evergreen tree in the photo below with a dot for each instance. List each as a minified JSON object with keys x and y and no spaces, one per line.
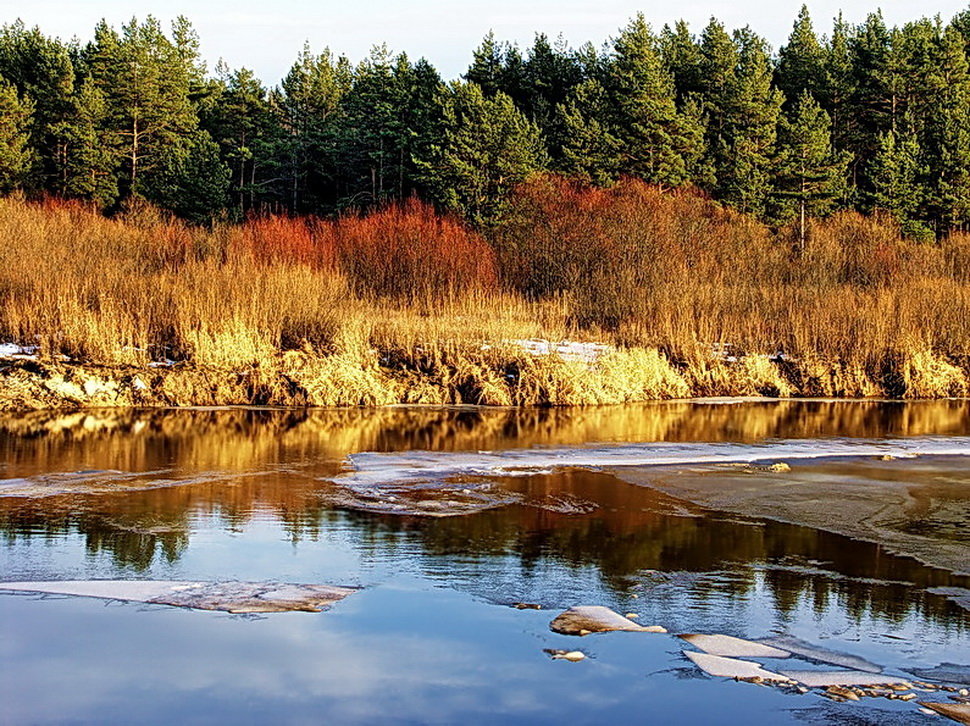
{"x":194,"y":185}
{"x":874,"y":104}
{"x":894,"y":172}
{"x":801,"y":63}
{"x":41,"y":71}
{"x":146,"y":86}
{"x":754,"y":105}
{"x":658,"y":144}
{"x":85,"y":159}
{"x":838,"y":89}
{"x":938,"y":99}
{"x":240,"y":121}
{"x":486,"y":148}
{"x":810,"y":173}
{"x":15,"y":153}
{"x":741,"y":109}
{"x":487,"y":69}
{"x":310,"y":110}
{"x":683,"y":58}
{"x":584,"y":146}
{"x":550,"y":73}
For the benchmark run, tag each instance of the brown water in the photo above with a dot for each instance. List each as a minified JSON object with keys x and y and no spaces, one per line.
{"x":444,"y":516}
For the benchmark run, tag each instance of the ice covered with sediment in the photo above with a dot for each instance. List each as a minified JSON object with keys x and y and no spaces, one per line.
{"x":584,"y":619}
{"x":824,"y":679}
{"x":722,"y":667}
{"x":233,"y":597}
{"x":370,"y":467}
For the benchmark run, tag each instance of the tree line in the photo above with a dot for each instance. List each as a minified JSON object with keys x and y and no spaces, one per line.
{"x":867,"y":117}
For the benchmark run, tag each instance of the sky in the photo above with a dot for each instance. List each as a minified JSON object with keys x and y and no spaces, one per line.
{"x":266,"y":35}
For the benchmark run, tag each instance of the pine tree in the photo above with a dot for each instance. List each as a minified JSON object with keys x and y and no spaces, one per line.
{"x":658,"y":144}
{"x":487,"y":70}
{"x":938,"y":99}
{"x":195,"y":185}
{"x":801,"y":63}
{"x":240,"y":120}
{"x":41,"y":71}
{"x":15,"y":153}
{"x":838,"y":90}
{"x":894,"y":172}
{"x":146,"y":85}
{"x":741,"y":108}
{"x":310,"y":111}
{"x":85,"y":158}
{"x":487,"y":147}
{"x":744,"y":178}
{"x":810,"y":173}
{"x":683,"y":58}
{"x":584,"y":146}
{"x":550,"y":74}
{"x":874,"y":105}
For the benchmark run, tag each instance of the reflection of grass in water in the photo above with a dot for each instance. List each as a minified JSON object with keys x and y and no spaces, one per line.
{"x":242,"y":439}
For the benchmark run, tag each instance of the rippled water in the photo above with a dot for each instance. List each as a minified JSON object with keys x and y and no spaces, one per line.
{"x":446,"y":518}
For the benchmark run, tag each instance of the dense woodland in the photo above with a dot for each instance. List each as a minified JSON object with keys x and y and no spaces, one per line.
{"x":863,"y":117}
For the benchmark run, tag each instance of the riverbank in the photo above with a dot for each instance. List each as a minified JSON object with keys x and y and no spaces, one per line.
{"x":524,"y":373}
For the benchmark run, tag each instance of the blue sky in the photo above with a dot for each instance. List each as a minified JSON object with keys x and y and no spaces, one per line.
{"x":266,"y":35}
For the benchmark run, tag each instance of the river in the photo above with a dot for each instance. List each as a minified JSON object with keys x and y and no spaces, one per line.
{"x":843,"y":524}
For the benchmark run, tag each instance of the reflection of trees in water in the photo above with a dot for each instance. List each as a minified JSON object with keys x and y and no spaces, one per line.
{"x":630,"y":532}
{"x":794,"y":564}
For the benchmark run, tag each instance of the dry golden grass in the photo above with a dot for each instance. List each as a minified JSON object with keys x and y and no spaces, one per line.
{"x":696,"y":300}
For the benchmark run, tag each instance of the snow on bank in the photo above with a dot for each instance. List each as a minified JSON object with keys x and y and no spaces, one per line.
{"x":18,"y":352}
{"x":566,"y":349}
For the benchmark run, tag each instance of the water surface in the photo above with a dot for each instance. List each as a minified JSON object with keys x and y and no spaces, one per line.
{"x":448,"y":517}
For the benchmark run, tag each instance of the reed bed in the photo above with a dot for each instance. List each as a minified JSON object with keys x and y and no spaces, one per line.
{"x":406,"y":305}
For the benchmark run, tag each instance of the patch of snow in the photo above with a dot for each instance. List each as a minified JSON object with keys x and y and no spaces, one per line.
{"x":20,"y":352}
{"x":573,"y":350}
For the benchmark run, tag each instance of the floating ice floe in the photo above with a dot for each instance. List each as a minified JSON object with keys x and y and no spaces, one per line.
{"x":823,"y":655}
{"x":944,"y":673}
{"x":379,"y":467}
{"x":233,"y":597}
{"x":726,"y":645}
{"x":721,"y":667}
{"x":585,"y":619}
{"x":959,"y":712}
{"x":824,"y":679}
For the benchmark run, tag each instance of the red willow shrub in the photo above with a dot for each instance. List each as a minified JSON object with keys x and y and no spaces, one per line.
{"x":405,"y":250}
{"x":409,"y":251}
{"x":617,"y":251}
{"x":280,"y":239}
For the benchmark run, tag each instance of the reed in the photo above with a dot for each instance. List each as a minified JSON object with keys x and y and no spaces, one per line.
{"x":403,"y":304}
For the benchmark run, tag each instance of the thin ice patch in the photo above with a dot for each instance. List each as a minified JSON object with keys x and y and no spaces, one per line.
{"x":721,"y":667}
{"x":726,"y":645}
{"x":233,"y":597}
{"x":822,"y":655}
